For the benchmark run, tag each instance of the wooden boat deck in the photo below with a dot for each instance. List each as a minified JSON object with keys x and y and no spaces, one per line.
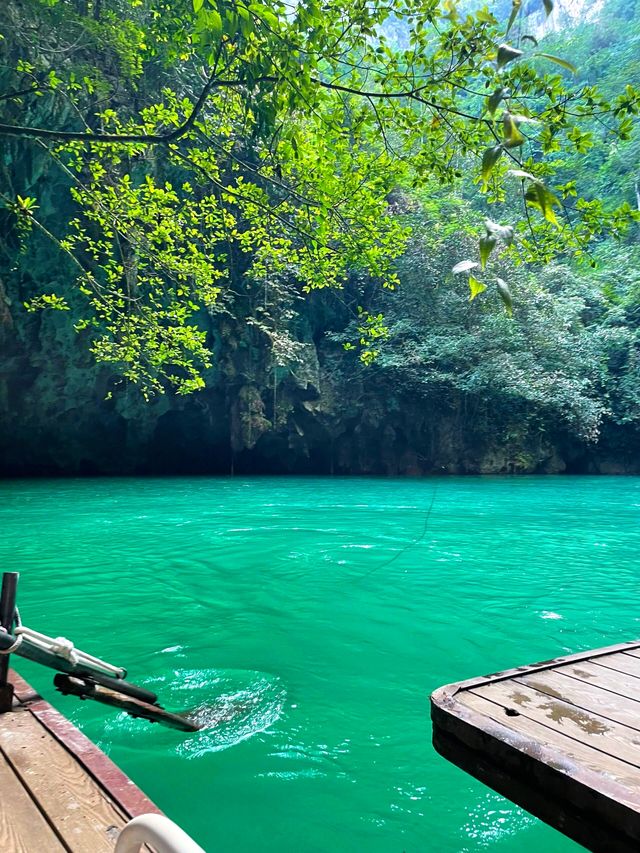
{"x":59,"y":791}
{"x":560,"y":738}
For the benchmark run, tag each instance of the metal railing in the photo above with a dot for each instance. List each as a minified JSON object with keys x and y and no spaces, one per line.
{"x":161,"y":833}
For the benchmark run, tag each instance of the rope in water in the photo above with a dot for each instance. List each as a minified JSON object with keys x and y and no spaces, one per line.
{"x":408,"y":545}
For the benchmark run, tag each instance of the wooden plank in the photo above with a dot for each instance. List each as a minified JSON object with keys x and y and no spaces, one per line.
{"x":633,"y":652}
{"x":23,"y":829}
{"x":621,"y":663}
{"x":607,"y":679}
{"x":552,"y":663}
{"x":85,"y":819}
{"x":564,"y":753}
{"x":589,"y":696}
{"x":604,"y":736}
{"x":128,"y":797}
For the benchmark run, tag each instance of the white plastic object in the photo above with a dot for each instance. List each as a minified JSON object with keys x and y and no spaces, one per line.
{"x":163,"y":834}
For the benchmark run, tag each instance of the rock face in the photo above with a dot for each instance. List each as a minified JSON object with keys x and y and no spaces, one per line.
{"x":322,"y":416}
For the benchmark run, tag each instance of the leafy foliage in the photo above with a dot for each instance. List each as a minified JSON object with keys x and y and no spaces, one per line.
{"x":547,"y":370}
{"x":216,"y":146}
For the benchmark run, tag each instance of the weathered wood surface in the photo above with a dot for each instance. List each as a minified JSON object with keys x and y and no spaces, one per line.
{"x":59,"y":791}
{"x":560,"y":738}
{"x":22,"y":826}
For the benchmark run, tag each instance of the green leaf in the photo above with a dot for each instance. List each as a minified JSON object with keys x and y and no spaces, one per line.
{"x":245,"y":20}
{"x":489,"y":160}
{"x":493,"y":100}
{"x":519,"y":173}
{"x":214,"y":22}
{"x":515,"y":8}
{"x":475,"y":287}
{"x":266,"y":15}
{"x":538,"y":196}
{"x":507,"y":54}
{"x":464,"y":266}
{"x":485,"y":17}
{"x":487,"y":245}
{"x":559,"y":61}
{"x":197,"y":5}
{"x":26,"y":204}
{"x":505,"y":295}
{"x":451,"y":9}
{"x":513,"y":138}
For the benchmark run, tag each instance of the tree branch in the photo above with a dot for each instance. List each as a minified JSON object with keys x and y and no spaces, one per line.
{"x":146,"y":138}
{"x":178,"y":132}
{"x":10,"y":96}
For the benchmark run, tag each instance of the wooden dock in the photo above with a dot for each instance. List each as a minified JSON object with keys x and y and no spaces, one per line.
{"x":59,"y":792}
{"x":560,"y":738}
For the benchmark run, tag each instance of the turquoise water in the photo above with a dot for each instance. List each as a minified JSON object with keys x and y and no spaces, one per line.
{"x":297,"y":603}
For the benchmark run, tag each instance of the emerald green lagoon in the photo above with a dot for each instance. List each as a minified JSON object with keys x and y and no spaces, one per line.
{"x":325,"y":611}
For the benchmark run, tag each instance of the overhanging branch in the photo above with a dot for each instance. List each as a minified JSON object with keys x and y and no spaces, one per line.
{"x":145,"y":138}
{"x":181,"y":130}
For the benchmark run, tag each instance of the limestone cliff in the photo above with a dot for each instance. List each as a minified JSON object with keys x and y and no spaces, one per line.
{"x":326,"y":414}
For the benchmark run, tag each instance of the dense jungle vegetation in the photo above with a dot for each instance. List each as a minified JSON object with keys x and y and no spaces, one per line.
{"x":369,"y":237}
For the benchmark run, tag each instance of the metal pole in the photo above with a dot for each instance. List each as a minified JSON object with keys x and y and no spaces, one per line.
{"x":7,"y":614}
